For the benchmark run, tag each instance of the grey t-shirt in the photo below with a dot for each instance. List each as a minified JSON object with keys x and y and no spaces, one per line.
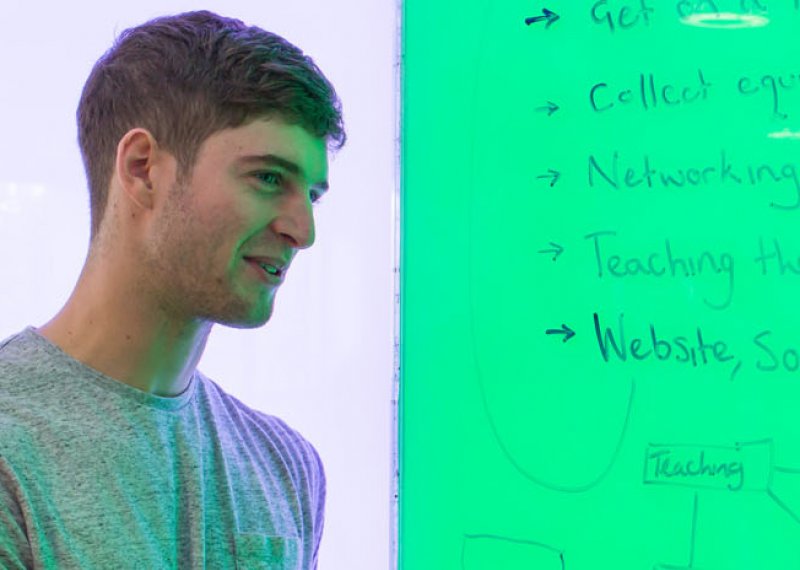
{"x":97,"y":474}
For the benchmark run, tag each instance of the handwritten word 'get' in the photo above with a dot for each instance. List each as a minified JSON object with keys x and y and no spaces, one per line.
{"x":625,"y":17}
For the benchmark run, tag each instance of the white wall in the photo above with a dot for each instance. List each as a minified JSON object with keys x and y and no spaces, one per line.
{"x":325,"y":360}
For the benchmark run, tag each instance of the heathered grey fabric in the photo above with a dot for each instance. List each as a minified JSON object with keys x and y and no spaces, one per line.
{"x":96,"y":474}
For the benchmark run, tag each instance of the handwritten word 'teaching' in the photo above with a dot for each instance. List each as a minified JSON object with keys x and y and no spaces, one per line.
{"x":674,"y":464}
{"x":664,"y":263}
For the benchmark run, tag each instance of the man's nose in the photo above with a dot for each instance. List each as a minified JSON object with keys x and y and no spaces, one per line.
{"x":296,"y":222}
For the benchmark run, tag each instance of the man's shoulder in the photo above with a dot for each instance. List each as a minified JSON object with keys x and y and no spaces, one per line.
{"x":264,"y":428}
{"x":18,"y":358}
{"x":26,"y":361}
{"x":16,"y":350}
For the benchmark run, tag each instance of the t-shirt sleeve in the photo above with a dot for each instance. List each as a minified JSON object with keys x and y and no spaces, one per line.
{"x":15,"y":550}
{"x":319,"y":517}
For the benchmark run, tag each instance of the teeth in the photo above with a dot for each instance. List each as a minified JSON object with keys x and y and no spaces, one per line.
{"x":269,"y":268}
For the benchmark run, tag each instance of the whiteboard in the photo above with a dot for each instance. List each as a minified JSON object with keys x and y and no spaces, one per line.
{"x":600,"y":252}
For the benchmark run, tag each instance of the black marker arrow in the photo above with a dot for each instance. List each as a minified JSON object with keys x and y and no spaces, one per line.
{"x":557,"y":250}
{"x":565,"y":330}
{"x":550,"y":108}
{"x":548,"y":15}
{"x":553,"y":174}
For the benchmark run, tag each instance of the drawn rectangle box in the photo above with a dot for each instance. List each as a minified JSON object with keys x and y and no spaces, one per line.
{"x":739,"y":467}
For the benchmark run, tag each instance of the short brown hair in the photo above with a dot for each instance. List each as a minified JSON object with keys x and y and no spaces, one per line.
{"x":187,"y":76}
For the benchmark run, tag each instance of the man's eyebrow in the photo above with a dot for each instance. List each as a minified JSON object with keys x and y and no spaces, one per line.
{"x":284,"y":163}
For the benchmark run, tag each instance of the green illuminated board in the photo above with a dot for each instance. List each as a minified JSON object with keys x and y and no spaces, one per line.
{"x":600,"y":335}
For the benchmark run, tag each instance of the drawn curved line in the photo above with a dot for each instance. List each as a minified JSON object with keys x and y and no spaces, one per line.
{"x":470,"y":228}
{"x":538,"y":480}
{"x":513,"y":540}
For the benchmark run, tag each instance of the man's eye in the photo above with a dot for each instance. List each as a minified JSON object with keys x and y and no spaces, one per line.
{"x":275,"y":178}
{"x":269,"y":177}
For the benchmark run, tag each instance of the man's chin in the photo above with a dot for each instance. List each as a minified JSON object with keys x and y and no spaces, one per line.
{"x":252,"y":321}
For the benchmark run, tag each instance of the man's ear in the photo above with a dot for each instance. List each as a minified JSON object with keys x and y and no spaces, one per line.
{"x":136,"y":155}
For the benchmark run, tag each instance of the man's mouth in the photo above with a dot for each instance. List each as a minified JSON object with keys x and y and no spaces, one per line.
{"x":271,"y":272}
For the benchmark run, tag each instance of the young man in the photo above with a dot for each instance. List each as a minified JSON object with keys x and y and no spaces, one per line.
{"x":205,"y":144}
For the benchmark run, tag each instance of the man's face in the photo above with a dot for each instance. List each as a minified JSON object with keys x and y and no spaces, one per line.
{"x":235,"y":205}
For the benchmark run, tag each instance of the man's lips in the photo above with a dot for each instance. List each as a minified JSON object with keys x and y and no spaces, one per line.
{"x":265,"y":274}
{"x":275,"y":262}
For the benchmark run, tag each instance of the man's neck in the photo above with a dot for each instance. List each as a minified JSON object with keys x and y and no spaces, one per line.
{"x":117,"y":339}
